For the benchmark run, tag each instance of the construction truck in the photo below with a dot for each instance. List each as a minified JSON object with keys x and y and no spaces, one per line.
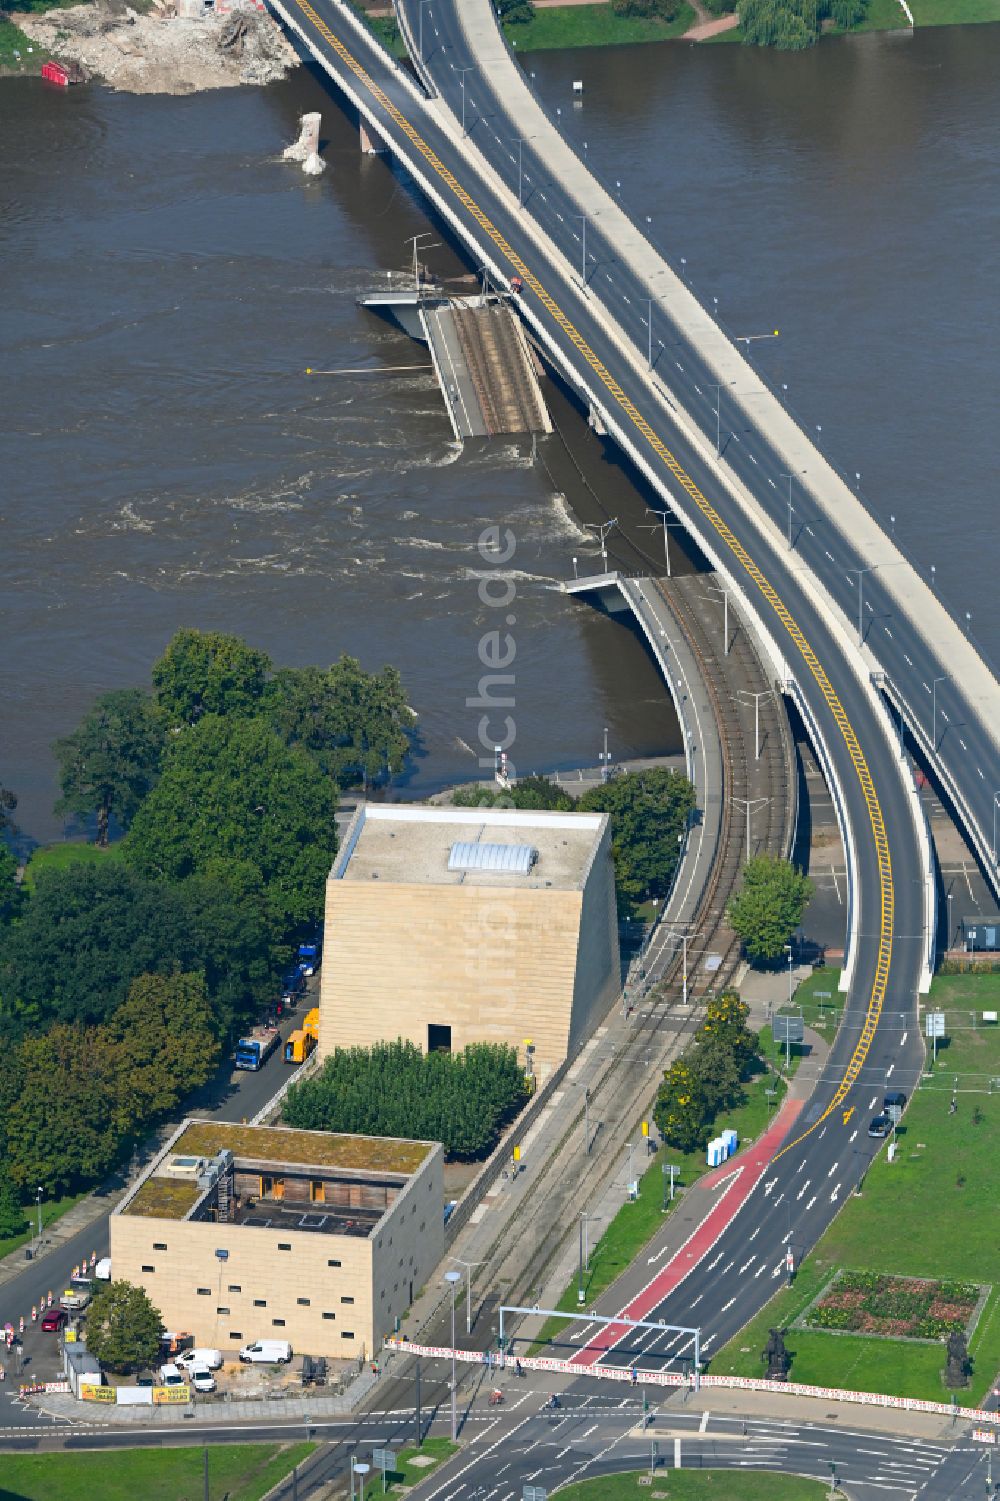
{"x":253,"y":1051}
{"x":299,"y":1045}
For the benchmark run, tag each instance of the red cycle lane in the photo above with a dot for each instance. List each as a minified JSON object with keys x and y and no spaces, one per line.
{"x":744,"y":1172}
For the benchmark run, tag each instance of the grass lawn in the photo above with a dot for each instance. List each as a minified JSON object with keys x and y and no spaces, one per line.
{"x":933,"y":1212}
{"x":241,"y":1472}
{"x":699,"y":1485}
{"x":407,"y":1473}
{"x":52,"y":1210}
{"x":888,"y":15}
{"x":774,"y":1053}
{"x":59,"y":856}
{"x":592,"y":26}
{"x":13,"y":39}
{"x":954,"y":12}
{"x":637,"y":1222}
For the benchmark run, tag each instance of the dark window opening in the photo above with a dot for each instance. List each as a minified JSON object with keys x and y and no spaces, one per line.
{"x":438,"y":1038}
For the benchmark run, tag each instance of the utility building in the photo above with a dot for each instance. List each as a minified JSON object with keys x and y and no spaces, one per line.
{"x":240,"y":1233}
{"x":447,"y":926}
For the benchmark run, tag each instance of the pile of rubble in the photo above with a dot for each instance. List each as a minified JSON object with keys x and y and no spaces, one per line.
{"x":163,"y":52}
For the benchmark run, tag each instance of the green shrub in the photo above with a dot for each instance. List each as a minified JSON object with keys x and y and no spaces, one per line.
{"x":393,"y":1089}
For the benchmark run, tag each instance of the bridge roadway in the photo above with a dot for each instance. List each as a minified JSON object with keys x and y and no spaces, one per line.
{"x":908,"y":634}
{"x":879,"y":1039}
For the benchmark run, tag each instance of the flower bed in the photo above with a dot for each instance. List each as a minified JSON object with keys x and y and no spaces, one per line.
{"x":894,"y":1307}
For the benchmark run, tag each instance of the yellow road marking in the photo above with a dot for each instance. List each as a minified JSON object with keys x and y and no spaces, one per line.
{"x":739,"y":552}
{"x":848,"y":1114}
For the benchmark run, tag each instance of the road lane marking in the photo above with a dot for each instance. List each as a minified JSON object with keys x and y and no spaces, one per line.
{"x":714,"y":518}
{"x":802,"y":1189}
{"x":704,"y":1421}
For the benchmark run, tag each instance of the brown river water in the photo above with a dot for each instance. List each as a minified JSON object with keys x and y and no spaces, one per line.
{"x":164,"y":461}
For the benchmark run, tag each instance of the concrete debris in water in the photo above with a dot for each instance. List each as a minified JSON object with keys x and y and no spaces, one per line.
{"x":306,"y":148}
{"x":165,"y":53}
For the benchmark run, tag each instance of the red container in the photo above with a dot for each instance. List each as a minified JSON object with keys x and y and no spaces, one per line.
{"x":56,"y":73}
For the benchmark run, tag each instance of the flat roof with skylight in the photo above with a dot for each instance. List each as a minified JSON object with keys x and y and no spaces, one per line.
{"x":505,"y":847}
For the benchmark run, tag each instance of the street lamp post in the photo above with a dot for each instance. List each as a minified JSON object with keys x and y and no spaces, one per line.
{"x":583,"y":252}
{"x":684,"y":936}
{"x":934,"y":738}
{"x":766,"y":693}
{"x":463,"y":71}
{"x":996,"y":804}
{"x":662,"y":517}
{"x":602,"y":529}
{"x":454,"y":1278}
{"x":361,"y":1470}
{"x":749,"y":804}
{"x":791,"y":508}
{"x":788,"y":951}
{"x":39,"y":1195}
{"x":468,"y":1289}
{"x":605,"y":757}
{"x":520,"y":168}
{"x":861,"y":597}
{"x":584,"y":1254}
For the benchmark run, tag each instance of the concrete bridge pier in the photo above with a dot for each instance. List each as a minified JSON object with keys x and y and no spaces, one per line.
{"x":306,"y":148}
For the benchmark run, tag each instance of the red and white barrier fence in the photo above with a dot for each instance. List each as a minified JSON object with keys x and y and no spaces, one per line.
{"x":673,"y":1378}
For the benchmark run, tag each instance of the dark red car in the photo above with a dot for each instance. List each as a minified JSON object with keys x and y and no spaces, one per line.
{"x":53,"y":1320}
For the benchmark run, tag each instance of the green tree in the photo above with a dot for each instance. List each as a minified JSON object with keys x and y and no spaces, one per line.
{"x":124,"y":1327}
{"x":768,"y":907}
{"x":537,"y":793}
{"x":647,"y":10}
{"x":515,"y":12}
{"x":356,"y":724}
{"x":164,"y":1040}
{"x":9,"y":893}
{"x":61,"y":1128}
{"x":88,"y":932}
{"x":793,"y":24}
{"x":207,"y":672}
{"x":13,"y":1216}
{"x":726,"y":1018}
{"x":681,"y":1110}
{"x":717,"y":1071}
{"x":110,"y":762}
{"x":8,"y":802}
{"x":233,"y":791}
{"x":650,"y":811}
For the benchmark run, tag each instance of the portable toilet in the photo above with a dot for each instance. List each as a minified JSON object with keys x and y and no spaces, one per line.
{"x":716,"y":1152}
{"x":731,"y":1140}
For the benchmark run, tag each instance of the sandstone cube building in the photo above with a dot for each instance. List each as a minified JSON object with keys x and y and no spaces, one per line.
{"x":240,"y":1233}
{"x":447,"y":926}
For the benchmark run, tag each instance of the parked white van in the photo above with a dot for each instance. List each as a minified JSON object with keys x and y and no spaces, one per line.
{"x":267,"y":1352}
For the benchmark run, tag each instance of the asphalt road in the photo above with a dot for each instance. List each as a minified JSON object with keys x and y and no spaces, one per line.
{"x":229,"y":1097}
{"x":866,"y":1056}
{"x":964,"y":740}
{"x":595,"y":1434}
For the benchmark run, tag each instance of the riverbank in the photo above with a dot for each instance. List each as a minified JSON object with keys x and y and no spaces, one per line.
{"x":592,"y":23}
{"x":156,"y":53}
